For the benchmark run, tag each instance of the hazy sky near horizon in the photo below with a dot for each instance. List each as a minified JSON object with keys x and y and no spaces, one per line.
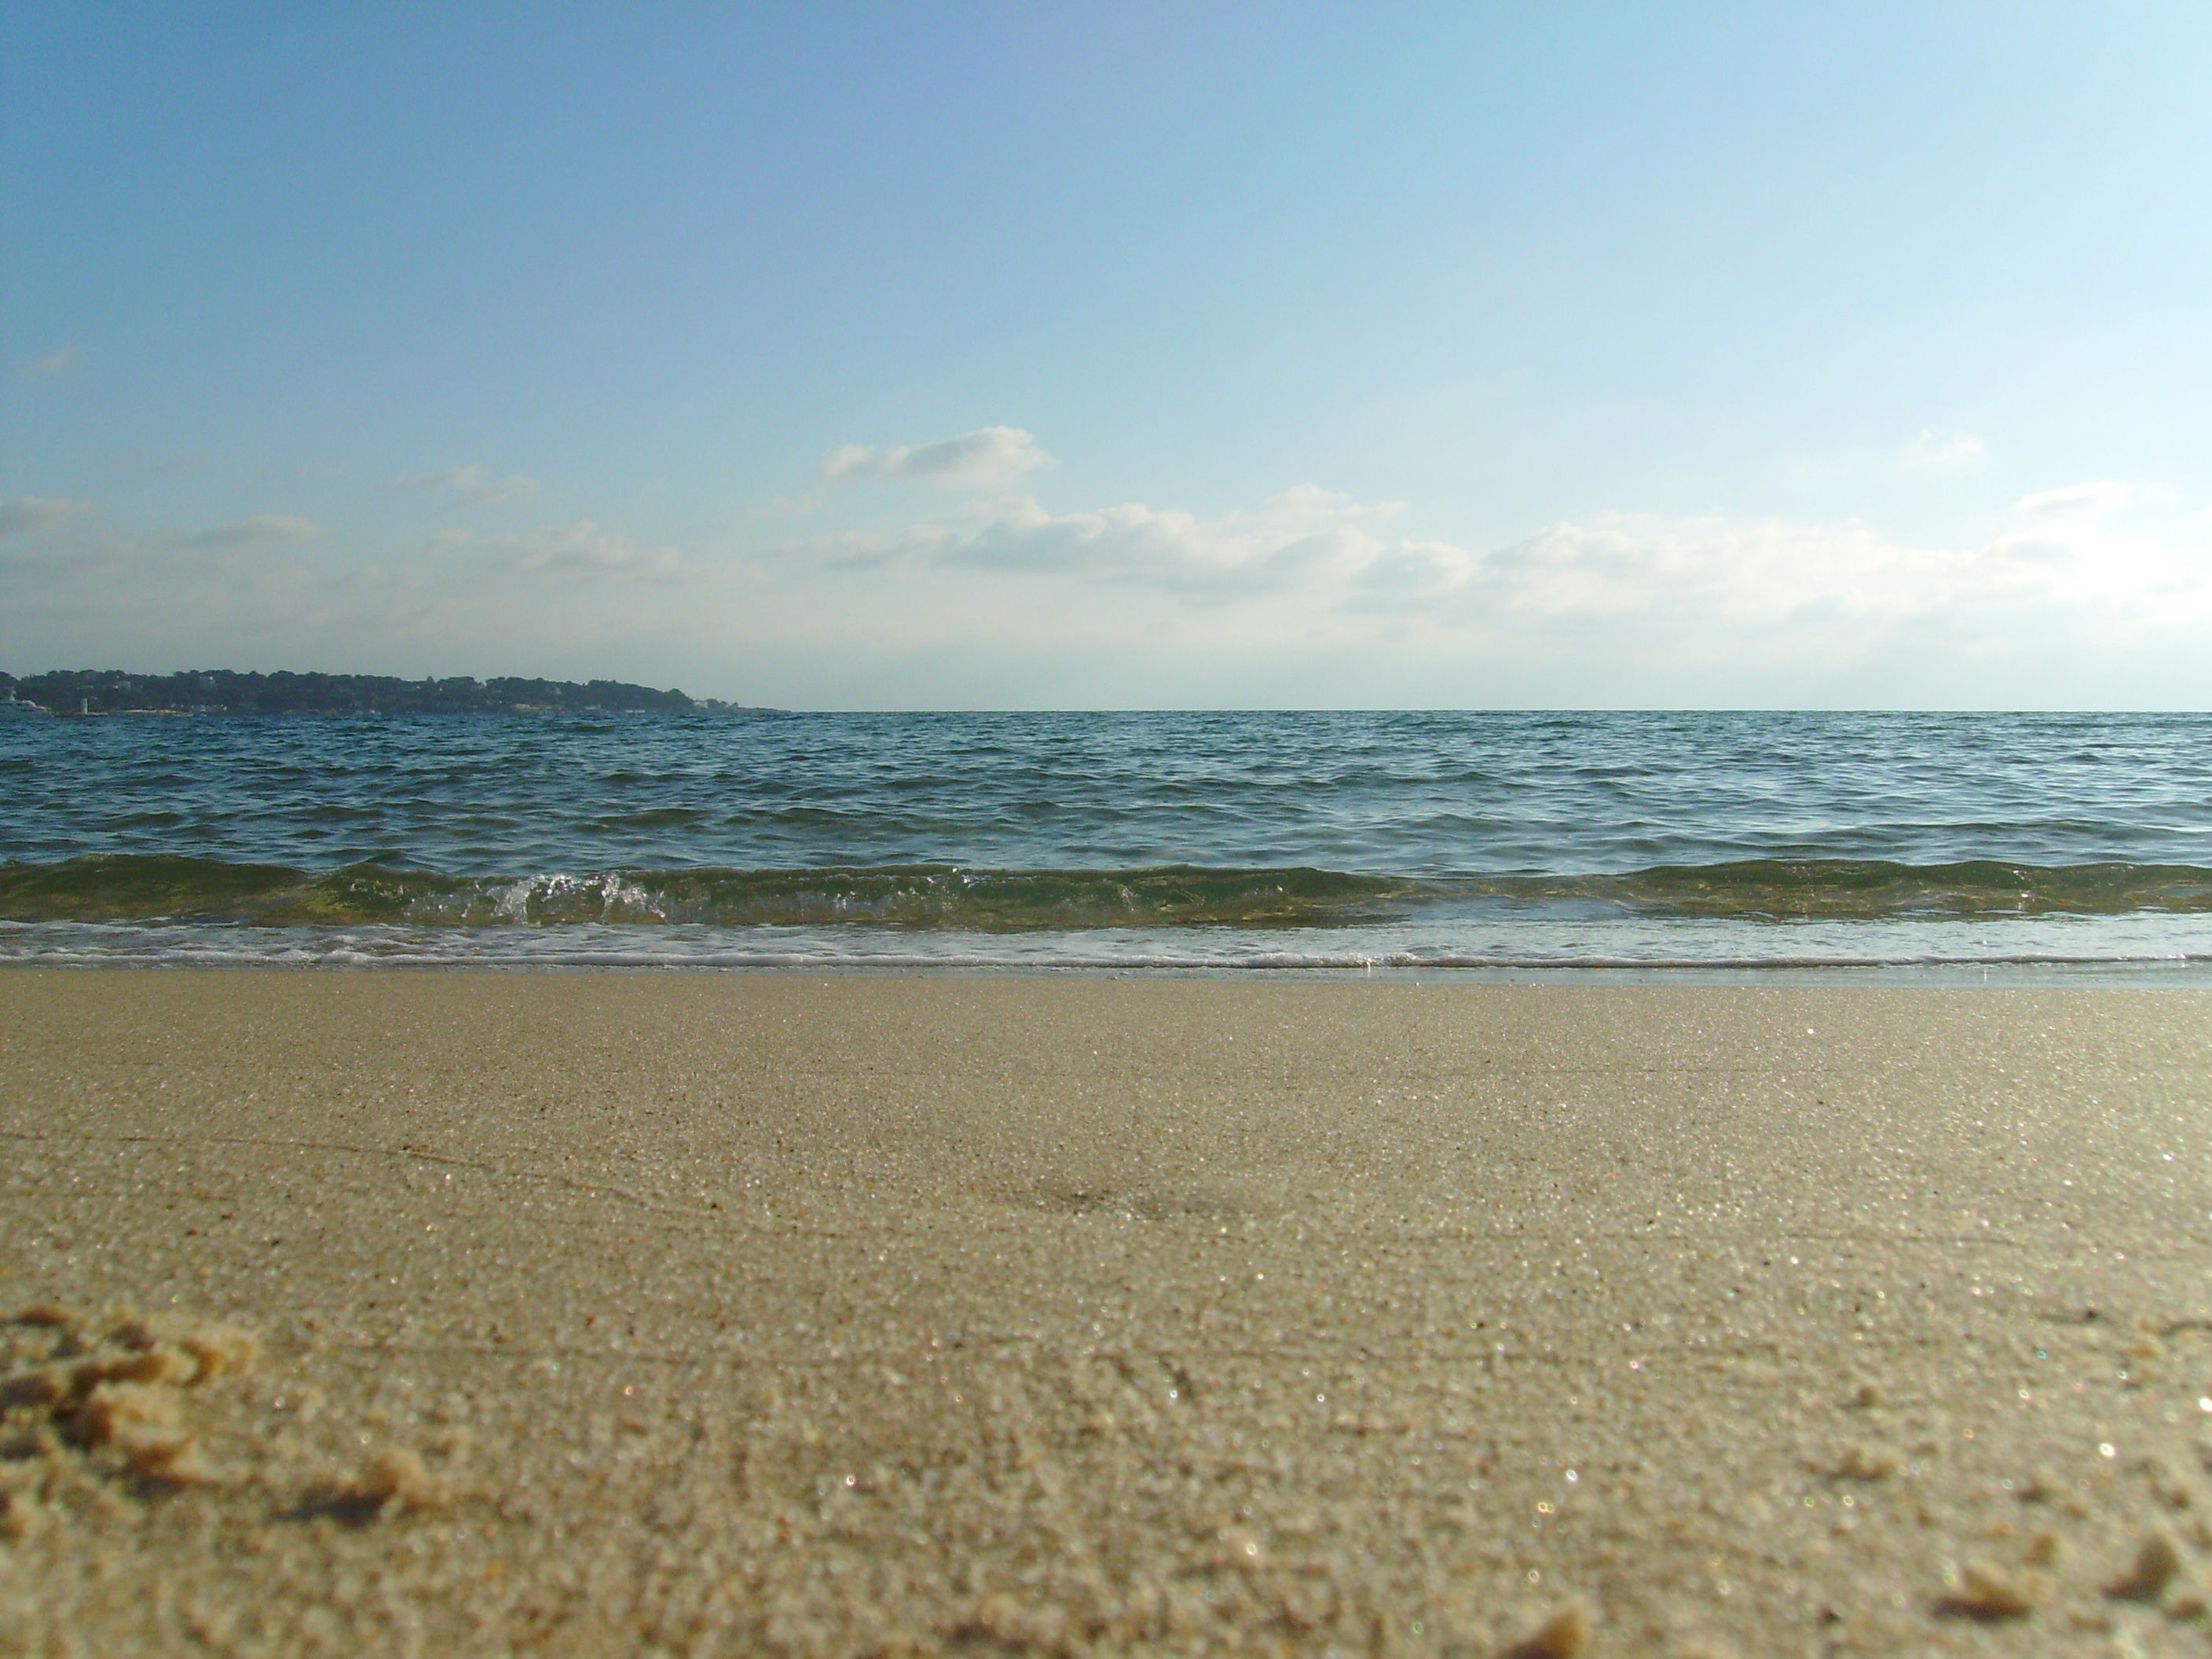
{"x":1143,"y":356}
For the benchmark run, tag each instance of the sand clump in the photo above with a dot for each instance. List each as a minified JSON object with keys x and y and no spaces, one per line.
{"x":1864,"y":1462}
{"x":1561,"y":1634}
{"x":396,"y":1479}
{"x":20,"y":1512}
{"x":120,"y":1413}
{"x":123,"y":1396}
{"x":1989,"y":1592}
{"x":2046,"y":1549}
{"x":2158,"y":1561}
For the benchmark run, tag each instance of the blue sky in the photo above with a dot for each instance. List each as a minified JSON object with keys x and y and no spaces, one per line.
{"x":976,"y":356}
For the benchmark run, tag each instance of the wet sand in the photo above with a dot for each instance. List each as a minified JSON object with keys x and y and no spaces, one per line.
{"x":608,"y":1313}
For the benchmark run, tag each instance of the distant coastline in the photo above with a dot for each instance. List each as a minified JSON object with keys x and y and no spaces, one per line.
{"x":87,"y":692}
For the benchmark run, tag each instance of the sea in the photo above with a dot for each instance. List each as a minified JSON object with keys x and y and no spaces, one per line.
{"x":1529,"y":846}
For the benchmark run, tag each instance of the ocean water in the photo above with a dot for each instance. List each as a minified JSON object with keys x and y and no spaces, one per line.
{"x":1486,"y":843}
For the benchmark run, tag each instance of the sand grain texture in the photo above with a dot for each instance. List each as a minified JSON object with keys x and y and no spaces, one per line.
{"x":594,"y":1314}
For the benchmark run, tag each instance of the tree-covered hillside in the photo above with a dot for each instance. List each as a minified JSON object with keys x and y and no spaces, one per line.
{"x":226,"y":691}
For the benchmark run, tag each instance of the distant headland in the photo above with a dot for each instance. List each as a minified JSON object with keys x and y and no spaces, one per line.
{"x":88,"y":691}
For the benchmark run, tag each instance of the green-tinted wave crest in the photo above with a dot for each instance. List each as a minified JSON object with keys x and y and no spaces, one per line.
{"x":1872,"y":887}
{"x":159,"y":887}
{"x":146,"y":888}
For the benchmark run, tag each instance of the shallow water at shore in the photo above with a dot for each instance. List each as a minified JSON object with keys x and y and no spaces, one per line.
{"x":2150,"y":949}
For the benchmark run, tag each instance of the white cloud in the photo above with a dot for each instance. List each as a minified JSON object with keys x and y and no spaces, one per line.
{"x":1691,"y":575}
{"x":1631,"y":602}
{"x":582,"y":549}
{"x":472,"y":485}
{"x":1944,"y":452}
{"x":1304,"y":536}
{"x":566,"y":598}
{"x":28,"y":514}
{"x":53,"y":365}
{"x":1678,"y":579}
{"x":988,"y":456}
{"x":2081,"y":498}
{"x":1311,"y":596}
{"x":263,"y":530}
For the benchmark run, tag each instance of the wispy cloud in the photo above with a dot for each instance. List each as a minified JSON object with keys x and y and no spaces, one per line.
{"x":1312,"y":595}
{"x":1668,"y":584}
{"x":259,"y":589}
{"x":583,"y":548}
{"x":991,"y":455}
{"x":263,"y":530}
{"x":52,"y":366}
{"x":28,"y":514}
{"x":1672,"y":581}
{"x":2080,"y":499}
{"x":472,"y":485}
{"x":1944,"y":452}
{"x":155,"y":466}
{"x":785,"y":506}
{"x":1305,"y":535}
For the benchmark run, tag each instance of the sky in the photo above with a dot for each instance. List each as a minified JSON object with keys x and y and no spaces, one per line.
{"x":1182,"y":356}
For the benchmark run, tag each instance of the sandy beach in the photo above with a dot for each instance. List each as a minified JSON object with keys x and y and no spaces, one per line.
{"x":588,"y":1313}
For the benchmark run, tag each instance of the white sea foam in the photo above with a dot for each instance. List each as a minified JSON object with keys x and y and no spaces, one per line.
{"x":2169,"y":948}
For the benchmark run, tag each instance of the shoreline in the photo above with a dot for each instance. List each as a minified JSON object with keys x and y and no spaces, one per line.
{"x":756,"y":1312}
{"x":2160,"y":957}
{"x":2062,"y":978}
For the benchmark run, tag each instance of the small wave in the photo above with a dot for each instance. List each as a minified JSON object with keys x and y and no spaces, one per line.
{"x":1844,"y":889}
{"x":140,"y":888}
{"x":157,"y":887}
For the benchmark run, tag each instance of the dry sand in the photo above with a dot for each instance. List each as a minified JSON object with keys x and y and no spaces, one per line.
{"x":600,"y":1314}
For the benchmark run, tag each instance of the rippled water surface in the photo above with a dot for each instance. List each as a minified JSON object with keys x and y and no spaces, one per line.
{"x":1209,"y":839}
